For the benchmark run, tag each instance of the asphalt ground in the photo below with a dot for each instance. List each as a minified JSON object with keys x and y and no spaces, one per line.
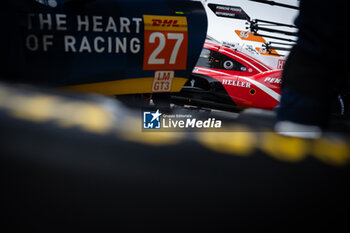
{"x":83,"y":162}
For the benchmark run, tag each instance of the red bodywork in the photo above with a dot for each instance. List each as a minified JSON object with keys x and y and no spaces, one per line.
{"x":247,"y":81}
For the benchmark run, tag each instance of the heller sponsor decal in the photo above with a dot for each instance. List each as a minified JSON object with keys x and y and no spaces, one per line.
{"x":230,"y":82}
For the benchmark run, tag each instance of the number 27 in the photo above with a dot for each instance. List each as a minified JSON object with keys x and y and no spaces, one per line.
{"x":153,"y":58}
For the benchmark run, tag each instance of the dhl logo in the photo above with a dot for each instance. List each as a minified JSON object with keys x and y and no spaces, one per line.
{"x":165,"y":23}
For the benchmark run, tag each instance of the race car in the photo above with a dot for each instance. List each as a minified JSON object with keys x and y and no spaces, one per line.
{"x":108,"y":47}
{"x":229,"y":77}
{"x":226,"y":76}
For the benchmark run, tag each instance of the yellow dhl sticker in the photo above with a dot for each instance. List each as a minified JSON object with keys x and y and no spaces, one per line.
{"x":165,"y":23}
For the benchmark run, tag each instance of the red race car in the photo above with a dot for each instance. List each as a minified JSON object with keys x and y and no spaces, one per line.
{"x":226,"y":77}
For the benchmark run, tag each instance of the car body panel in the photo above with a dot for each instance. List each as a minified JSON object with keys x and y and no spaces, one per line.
{"x":108,"y":46}
{"x":248,"y":83}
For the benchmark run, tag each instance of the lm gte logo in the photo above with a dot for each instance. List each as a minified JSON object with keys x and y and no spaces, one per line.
{"x":162,"y":81}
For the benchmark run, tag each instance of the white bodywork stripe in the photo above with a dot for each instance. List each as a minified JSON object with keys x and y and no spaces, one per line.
{"x":264,"y":88}
{"x":212,"y":46}
{"x":214,"y":71}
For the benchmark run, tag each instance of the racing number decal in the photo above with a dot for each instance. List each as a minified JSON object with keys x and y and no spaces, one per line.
{"x":165,"y":42}
{"x":152,"y":60}
{"x":246,"y":35}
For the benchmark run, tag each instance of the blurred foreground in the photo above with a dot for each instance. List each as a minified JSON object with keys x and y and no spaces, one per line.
{"x":83,"y":162}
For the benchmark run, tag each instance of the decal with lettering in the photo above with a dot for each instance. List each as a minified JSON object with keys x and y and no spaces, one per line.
{"x":234,"y":12}
{"x":79,"y":41}
{"x":162,"y":81}
{"x":230,"y":82}
{"x":281,"y":63}
{"x":272,"y":80}
{"x":165,"y":39}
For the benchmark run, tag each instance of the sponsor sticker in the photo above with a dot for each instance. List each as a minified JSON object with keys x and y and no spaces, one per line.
{"x":281,"y":63}
{"x":234,"y":12}
{"x":230,"y":82}
{"x":272,"y":80}
{"x":271,"y":52}
{"x":162,"y":81}
{"x":166,"y":42}
{"x":246,"y":35}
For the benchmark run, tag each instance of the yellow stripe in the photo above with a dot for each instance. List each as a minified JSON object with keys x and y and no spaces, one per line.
{"x":128,"y":86}
{"x":149,"y":20}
